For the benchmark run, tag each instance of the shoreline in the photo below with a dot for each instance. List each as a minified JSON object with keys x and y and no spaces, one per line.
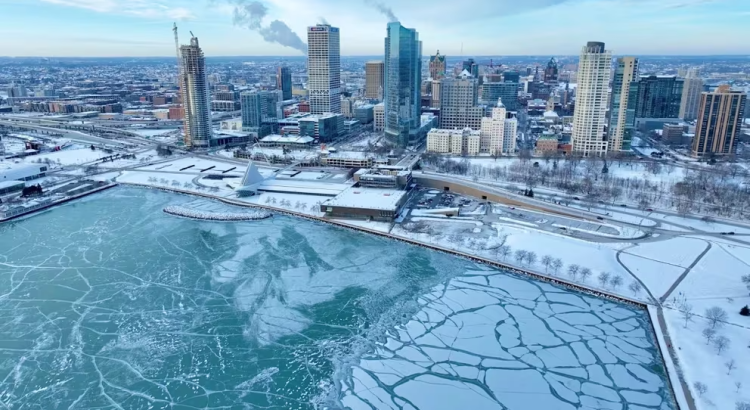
{"x":59,"y":202}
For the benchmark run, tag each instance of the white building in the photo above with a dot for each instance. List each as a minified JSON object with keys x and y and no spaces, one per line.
{"x":493,"y":130}
{"x":691,"y":95}
{"x":324,"y":69}
{"x":594,"y":72}
{"x":379,"y":117}
{"x":22,"y":172}
{"x":457,"y":142}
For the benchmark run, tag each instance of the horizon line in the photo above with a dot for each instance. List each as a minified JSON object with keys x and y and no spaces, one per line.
{"x":747,"y":55}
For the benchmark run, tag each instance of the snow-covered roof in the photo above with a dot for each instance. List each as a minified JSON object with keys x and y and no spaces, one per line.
{"x":21,"y":171}
{"x":551,"y":114}
{"x":292,"y":139}
{"x":303,"y":187}
{"x":368,"y":198}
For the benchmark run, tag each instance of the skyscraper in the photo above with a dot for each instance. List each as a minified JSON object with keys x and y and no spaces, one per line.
{"x":260,"y":111}
{"x":691,"y":95}
{"x":284,"y":82}
{"x":437,"y":66}
{"x":550,"y":73}
{"x":591,"y":100}
{"x":626,"y":71}
{"x":472,"y":67}
{"x":458,"y":103}
{"x":658,"y":96}
{"x":403,"y":78}
{"x":719,"y":122}
{"x":324,"y":69}
{"x":195,"y":99}
{"x":374,"y":76}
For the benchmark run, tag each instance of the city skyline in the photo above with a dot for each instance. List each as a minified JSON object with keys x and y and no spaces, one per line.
{"x":107,"y":28}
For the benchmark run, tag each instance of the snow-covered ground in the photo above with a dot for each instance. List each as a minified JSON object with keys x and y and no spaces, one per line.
{"x":701,"y":362}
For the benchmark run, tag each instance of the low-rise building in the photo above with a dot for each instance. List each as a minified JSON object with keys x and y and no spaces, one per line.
{"x":456,"y":142}
{"x":23,"y":172}
{"x":547,"y":143}
{"x":290,"y":141}
{"x":377,"y":178}
{"x":366,"y":203}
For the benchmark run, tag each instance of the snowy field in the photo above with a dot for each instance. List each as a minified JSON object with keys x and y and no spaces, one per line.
{"x":677,"y":251}
{"x":658,"y":277}
{"x":491,"y":341}
{"x":702,"y":363}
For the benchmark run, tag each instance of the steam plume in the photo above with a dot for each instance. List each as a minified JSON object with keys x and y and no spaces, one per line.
{"x":322,"y":20}
{"x":383,"y":9}
{"x":250,"y":14}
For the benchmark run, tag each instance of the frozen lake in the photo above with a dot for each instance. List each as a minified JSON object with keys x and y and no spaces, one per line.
{"x":109,"y":303}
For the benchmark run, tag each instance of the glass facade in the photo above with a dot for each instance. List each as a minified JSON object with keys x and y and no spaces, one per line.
{"x":659,"y":97}
{"x":507,"y":91}
{"x":260,"y":112}
{"x":622,"y":121}
{"x":403,"y":78}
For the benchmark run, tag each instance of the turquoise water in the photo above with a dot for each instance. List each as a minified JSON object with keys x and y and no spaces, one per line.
{"x":108,"y":302}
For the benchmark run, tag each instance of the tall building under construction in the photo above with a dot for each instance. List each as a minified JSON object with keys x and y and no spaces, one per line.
{"x":195,"y":99}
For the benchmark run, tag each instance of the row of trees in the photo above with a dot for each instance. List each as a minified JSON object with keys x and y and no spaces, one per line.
{"x":718,"y":190}
{"x":524,"y":258}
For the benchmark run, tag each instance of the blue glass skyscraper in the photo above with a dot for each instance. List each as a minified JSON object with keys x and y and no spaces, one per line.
{"x":403,"y":79}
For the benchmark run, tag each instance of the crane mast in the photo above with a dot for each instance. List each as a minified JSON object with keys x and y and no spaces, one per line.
{"x":177,"y":52}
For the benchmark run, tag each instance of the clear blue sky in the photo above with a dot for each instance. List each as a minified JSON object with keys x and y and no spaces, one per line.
{"x":481,"y":27}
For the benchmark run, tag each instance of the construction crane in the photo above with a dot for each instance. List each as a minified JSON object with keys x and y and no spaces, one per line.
{"x":177,"y":49}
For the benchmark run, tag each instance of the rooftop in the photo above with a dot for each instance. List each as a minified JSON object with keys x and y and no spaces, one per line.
{"x":292,"y":139}
{"x":367,"y":198}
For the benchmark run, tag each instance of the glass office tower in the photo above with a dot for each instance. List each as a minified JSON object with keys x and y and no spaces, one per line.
{"x":403,"y":78}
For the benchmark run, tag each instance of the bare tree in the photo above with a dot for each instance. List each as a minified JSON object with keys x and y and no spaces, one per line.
{"x":738,"y":385}
{"x":530,"y":258}
{"x":615,"y":282}
{"x":700,"y":388}
{"x":520,"y":256}
{"x":708,"y":334}
{"x":557,"y":264}
{"x":716,"y":316}
{"x":730,"y":365}
{"x":741,"y":405}
{"x":585,"y":274}
{"x":635,"y":287}
{"x":603,"y":279}
{"x":721,"y":343}
{"x":686,"y":310}
{"x":546,"y":262}
{"x":505,"y":251}
{"x":573,"y":271}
